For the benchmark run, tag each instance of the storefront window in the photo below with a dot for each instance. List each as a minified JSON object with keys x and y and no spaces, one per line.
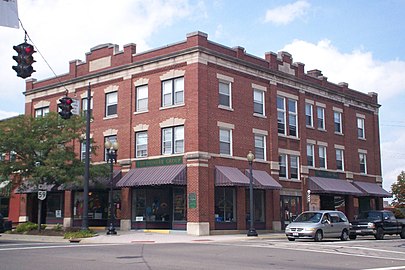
{"x":152,"y":204}
{"x":179,"y":204}
{"x":54,"y":205}
{"x":98,"y":205}
{"x":225,"y":204}
{"x":258,"y":205}
{"x":290,"y":208}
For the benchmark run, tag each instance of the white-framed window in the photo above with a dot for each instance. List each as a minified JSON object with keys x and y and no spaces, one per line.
{"x":84,"y":106}
{"x":258,"y":102}
{"x":41,"y":112}
{"x":294,"y":172}
{"x":292,"y":118}
{"x":337,"y":116}
{"x":309,"y":115}
{"x":282,"y":161}
{"x":141,"y":144}
{"x":320,"y":111}
{"x":322,"y":157}
{"x":281,"y":114}
{"x":83,"y":150}
{"x":363,"y":162}
{"x":340,"y":165}
{"x":111,"y":101}
{"x":173,"y":92}
{"x":360,"y":128}
{"x":260,"y":146}
{"x":225,"y":141}
{"x":173,"y":140}
{"x":310,"y":155}
{"x":142,"y":98}
{"x":112,"y":139}
{"x":225,"y":94}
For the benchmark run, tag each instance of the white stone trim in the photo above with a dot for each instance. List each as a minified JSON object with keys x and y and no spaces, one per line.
{"x":336,"y":109}
{"x":362,"y":151}
{"x":224,"y":78}
{"x":99,"y":63}
{"x":111,"y":88}
{"x":322,"y":143}
{"x":110,"y":132}
{"x":172,"y":122}
{"x":141,"y":127}
{"x":319,"y":104}
{"x":42,"y":104}
{"x":141,"y":81}
{"x":289,"y":152}
{"x":311,"y":141}
{"x":309,"y":101}
{"x":84,"y":95}
{"x":174,"y":73}
{"x":287,"y":95}
{"x":259,"y":87}
{"x":260,"y":131}
{"x":338,"y":146}
{"x":225,"y":125}
{"x":358,"y":115}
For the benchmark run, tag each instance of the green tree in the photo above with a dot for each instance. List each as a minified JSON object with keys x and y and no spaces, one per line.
{"x":398,"y":190}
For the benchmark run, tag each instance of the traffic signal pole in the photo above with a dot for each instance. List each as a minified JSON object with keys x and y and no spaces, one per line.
{"x":85,"y":218}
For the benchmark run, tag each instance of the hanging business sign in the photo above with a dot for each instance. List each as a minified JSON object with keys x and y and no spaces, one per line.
{"x":159,"y":162}
{"x":41,"y":195}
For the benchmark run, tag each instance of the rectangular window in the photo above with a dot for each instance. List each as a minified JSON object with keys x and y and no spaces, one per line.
{"x":310,"y":155}
{"x":337,"y":116}
{"x":225,"y":94}
{"x":282,"y":160}
{"x":321,"y":117}
{"x":339,"y":160}
{"x":258,"y":102}
{"x":309,"y":115}
{"x":322,"y":157}
{"x":111,"y":100}
{"x":281,"y":115}
{"x":225,"y":141}
{"x":142,"y":98}
{"x":360,"y":128}
{"x":225,"y":204}
{"x":292,"y":117}
{"x":83,"y":150}
{"x":260,"y":147}
{"x":112,"y":139}
{"x":294,"y":167}
{"x":173,"y":140}
{"x":84,"y":106}
{"x":141,"y":144}
{"x":173,"y":92}
{"x":41,"y":112}
{"x":363,"y":163}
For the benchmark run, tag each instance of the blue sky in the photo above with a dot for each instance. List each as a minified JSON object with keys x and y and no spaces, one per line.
{"x":359,"y":42}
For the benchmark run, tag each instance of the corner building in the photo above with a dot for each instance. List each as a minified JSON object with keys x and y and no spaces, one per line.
{"x":186,"y":116}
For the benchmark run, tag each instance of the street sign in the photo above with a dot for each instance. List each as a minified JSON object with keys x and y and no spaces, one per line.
{"x":41,"y":195}
{"x":75,"y":107}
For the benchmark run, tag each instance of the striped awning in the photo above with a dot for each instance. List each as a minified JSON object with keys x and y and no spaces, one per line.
{"x":372,"y":189}
{"x":153,"y":176}
{"x":263,"y":180}
{"x":229,"y":176}
{"x":323,"y":185}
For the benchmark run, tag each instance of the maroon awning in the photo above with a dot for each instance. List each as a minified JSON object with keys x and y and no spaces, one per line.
{"x":153,"y":176}
{"x":323,"y":185}
{"x":229,"y":176}
{"x":372,"y":189}
{"x":263,"y":180}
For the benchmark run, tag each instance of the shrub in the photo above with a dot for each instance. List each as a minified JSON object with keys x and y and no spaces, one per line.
{"x":399,"y":212}
{"x":79,"y":234}
{"x":28,"y":226}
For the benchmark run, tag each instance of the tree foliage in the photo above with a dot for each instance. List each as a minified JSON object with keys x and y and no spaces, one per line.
{"x":42,"y":149}
{"x":398,"y":189}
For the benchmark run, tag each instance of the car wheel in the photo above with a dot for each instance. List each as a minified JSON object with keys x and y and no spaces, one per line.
{"x":402,"y":234}
{"x":352,"y":236}
{"x":291,"y":239}
{"x":380,"y":234}
{"x":344,"y":236}
{"x":318,"y":236}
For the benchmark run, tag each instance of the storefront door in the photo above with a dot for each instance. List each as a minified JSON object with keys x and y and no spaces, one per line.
{"x":290,"y":209}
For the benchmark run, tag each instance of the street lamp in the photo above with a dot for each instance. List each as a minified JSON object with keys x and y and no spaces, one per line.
{"x":251,"y":232}
{"x":112,"y":149}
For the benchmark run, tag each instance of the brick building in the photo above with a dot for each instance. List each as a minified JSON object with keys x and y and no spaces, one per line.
{"x":186,"y":115}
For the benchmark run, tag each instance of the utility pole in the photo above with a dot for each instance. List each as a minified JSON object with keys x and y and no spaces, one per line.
{"x":85,"y":218}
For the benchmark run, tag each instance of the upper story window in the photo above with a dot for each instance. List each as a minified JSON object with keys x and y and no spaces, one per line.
{"x":258,"y":102}
{"x":84,"y":106}
{"x":294,"y":173}
{"x":225,"y":141}
{"x":225,"y":91}
{"x":173,"y":140}
{"x":309,"y":115}
{"x":320,"y":111}
{"x":281,"y":115}
{"x":337,"y":116}
{"x":260,"y":146}
{"x":340,"y":160}
{"x":310,"y":155}
{"x":83,"y":150}
{"x":292,"y":118}
{"x":282,"y":161}
{"x":322,"y":157}
{"x":112,"y":139}
{"x":111,"y":101}
{"x":363,"y":162}
{"x":141,"y":144}
{"x":360,"y":128}
{"x":173,"y":92}
{"x":142,"y":98}
{"x":41,"y":112}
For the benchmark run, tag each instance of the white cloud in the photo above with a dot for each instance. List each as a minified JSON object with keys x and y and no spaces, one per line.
{"x":4,"y":115}
{"x":288,"y":13}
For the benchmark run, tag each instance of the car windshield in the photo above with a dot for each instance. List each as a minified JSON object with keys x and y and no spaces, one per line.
{"x":370,"y":215}
{"x":313,"y":217}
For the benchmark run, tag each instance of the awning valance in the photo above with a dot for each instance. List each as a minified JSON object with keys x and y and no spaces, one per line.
{"x":229,"y":176}
{"x":372,"y":189}
{"x":323,"y":185}
{"x":263,"y":180}
{"x":152,"y":176}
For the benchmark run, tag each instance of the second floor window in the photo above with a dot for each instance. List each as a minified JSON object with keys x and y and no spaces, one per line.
{"x":141,"y":144}
{"x":294,"y":167}
{"x":225,"y":94}
{"x":260,"y":147}
{"x":309,"y":119}
{"x":360,"y":128}
{"x":41,"y":112}
{"x":339,"y":160}
{"x":363,"y":163}
{"x":83,"y":151}
{"x":338,"y":121}
{"x":258,"y":101}
{"x":173,"y":92}
{"x":84,"y":106}
{"x":322,"y":157}
{"x":142,"y":98}
{"x":282,"y":161}
{"x":111,"y":100}
{"x":281,"y":115}
{"x":292,"y":118}
{"x":112,"y":140}
{"x":310,"y":155}
{"x":225,"y":141}
{"x":173,"y":140}
{"x":321,"y":117}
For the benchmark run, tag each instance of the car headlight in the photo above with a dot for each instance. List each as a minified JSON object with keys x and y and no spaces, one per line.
{"x":309,"y":229}
{"x":370,"y":225}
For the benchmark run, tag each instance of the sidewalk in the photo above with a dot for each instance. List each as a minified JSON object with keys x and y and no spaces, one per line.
{"x":128,"y":237}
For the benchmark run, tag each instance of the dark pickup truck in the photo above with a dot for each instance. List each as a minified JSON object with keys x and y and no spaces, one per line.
{"x":377,"y":223}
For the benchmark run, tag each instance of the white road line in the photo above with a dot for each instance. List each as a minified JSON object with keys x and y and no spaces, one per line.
{"x":387,"y":268}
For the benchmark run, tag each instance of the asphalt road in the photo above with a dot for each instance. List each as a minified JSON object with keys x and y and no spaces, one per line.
{"x":247,"y":254}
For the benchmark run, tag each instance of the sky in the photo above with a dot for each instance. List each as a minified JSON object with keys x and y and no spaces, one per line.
{"x":358,"y":42}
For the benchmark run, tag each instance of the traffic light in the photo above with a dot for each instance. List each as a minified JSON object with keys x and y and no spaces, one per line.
{"x":24,"y":60}
{"x":65,"y":106}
